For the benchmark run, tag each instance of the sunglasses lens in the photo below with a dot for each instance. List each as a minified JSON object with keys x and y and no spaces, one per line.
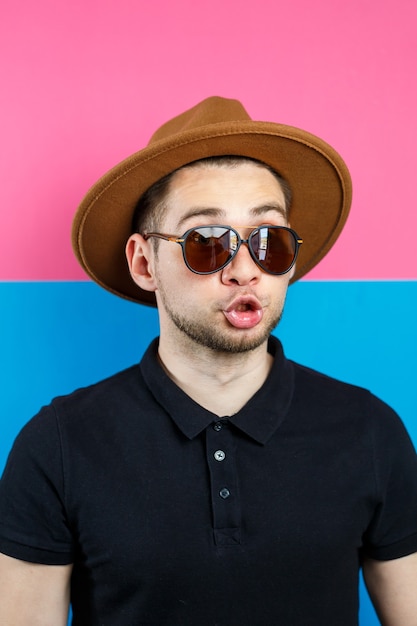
{"x":208,"y":248}
{"x":274,"y":248}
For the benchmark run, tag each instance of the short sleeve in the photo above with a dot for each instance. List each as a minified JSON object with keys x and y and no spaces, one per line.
{"x":393,"y":530}
{"x":33,"y":521}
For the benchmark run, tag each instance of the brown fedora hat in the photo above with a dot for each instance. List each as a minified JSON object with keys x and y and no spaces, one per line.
{"x":317,"y":175}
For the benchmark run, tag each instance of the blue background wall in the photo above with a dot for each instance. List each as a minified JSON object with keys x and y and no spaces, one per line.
{"x":59,"y":336}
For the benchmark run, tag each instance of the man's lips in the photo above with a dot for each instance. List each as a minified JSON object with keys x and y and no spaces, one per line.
{"x":244,"y":312}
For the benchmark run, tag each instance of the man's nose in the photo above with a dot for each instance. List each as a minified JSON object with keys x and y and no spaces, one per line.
{"x":242,"y":269}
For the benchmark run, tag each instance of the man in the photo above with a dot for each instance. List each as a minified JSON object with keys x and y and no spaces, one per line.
{"x":216,"y":483}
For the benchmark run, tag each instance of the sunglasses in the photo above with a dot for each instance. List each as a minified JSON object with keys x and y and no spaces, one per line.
{"x":208,"y":249}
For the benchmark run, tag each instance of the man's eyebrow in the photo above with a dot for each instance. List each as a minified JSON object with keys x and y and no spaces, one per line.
{"x":265,"y":208}
{"x":200,"y":212}
{"x":218,"y":214}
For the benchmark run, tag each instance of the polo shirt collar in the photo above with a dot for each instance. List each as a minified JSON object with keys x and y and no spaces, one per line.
{"x":258,"y":419}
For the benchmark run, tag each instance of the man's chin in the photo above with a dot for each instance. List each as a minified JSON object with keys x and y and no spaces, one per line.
{"x":230,"y":341}
{"x":223,"y":337}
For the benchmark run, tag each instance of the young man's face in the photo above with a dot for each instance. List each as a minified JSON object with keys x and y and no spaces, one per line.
{"x":236,"y":308}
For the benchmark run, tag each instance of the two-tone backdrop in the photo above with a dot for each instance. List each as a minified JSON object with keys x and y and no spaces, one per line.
{"x":85,"y":83}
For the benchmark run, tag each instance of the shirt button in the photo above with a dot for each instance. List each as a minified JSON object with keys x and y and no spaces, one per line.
{"x":224,"y":493}
{"x":219,"y":455}
{"x":217,"y":426}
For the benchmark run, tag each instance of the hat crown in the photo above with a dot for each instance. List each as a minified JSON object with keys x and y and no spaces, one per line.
{"x":212,"y":110}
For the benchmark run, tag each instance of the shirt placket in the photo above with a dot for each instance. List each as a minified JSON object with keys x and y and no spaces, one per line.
{"x":221,"y":447}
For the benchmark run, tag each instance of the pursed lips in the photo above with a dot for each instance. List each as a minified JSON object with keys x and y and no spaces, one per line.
{"x":244,"y":312}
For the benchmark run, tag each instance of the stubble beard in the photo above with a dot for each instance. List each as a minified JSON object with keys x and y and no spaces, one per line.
{"x":218,"y":341}
{"x":234,"y":341}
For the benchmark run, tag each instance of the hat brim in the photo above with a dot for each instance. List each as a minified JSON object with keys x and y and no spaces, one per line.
{"x":318,"y":177}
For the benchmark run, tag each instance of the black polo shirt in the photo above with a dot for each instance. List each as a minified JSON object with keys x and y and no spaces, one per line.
{"x":174,"y":517}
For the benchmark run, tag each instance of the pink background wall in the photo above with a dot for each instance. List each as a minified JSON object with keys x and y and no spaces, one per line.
{"x":84,"y":83}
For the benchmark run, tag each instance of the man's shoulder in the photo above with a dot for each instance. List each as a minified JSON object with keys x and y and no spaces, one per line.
{"x":127,"y":384}
{"x":105,"y":408}
{"x":309,"y":376}
{"x":320,"y":389}
{"x":119,"y":384}
{"x":94,"y":405}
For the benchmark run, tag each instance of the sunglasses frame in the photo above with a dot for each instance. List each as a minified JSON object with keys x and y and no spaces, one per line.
{"x":254,"y":230}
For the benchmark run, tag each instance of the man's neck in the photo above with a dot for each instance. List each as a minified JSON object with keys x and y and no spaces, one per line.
{"x":220,"y":382}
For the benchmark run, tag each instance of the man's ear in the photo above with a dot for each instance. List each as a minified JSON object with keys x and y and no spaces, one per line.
{"x":140,"y":257}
